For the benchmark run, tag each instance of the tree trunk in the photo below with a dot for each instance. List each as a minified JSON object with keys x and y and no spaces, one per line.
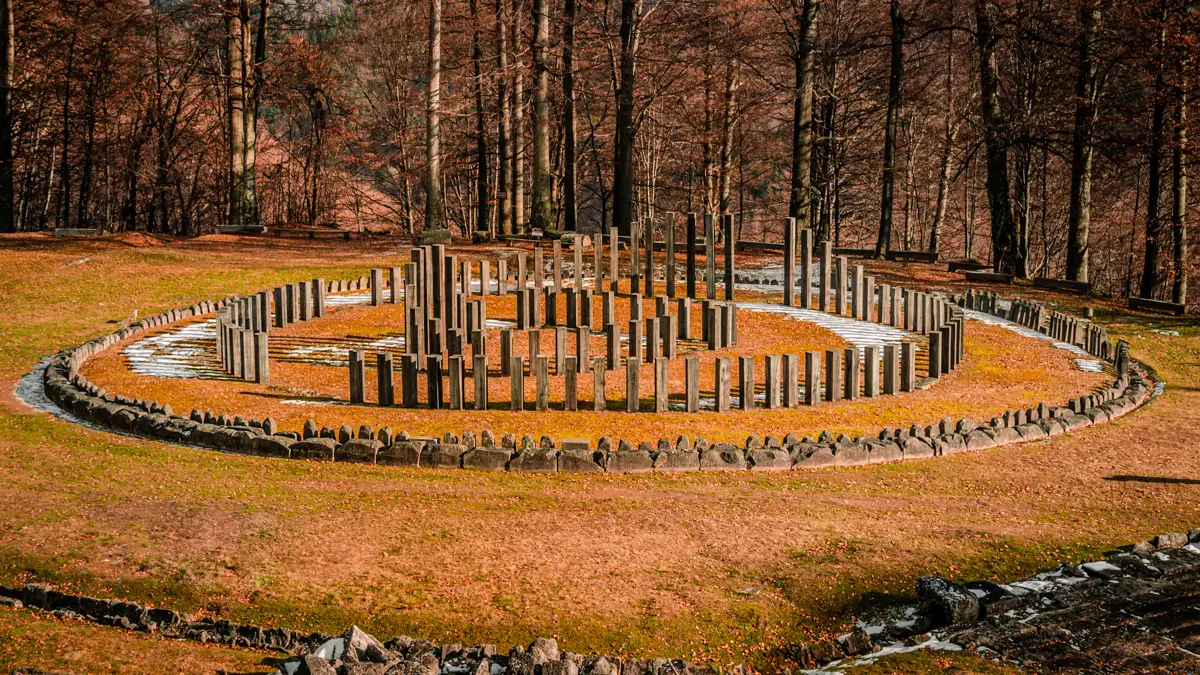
{"x":433,"y":111}
{"x":541,"y":215}
{"x":1004,"y":244}
{"x":1151,"y":268}
{"x":503,"y":196}
{"x":254,"y":72}
{"x":235,"y":44}
{"x":518,"y":131}
{"x":951,"y":132}
{"x":482,"y":210}
{"x":570,"y":161}
{"x":800,"y":202}
{"x":1179,"y":206}
{"x":727,"y":124}
{"x":7,"y":58}
{"x":1080,"y":214}
{"x":623,"y":148}
{"x":829,"y":152}
{"x":896,"y":74}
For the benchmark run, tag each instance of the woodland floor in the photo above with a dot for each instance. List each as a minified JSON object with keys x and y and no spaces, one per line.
{"x":716,"y":568}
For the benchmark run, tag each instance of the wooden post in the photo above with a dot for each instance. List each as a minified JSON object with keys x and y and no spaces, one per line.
{"x":833,"y":375}
{"x":433,"y":381}
{"x":541,"y":368}
{"x":570,"y":385}
{"x":692,"y":383}
{"x":635,"y":342}
{"x":479,"y":373}
{"x":812,"y":378}
{"x":577,"y":250}
{"x":825,"y":272}
{"x":853,"y":373}
{"x":516,"y":383}
{"x":558,"y":261}
{"x":357,"y":373}
{"x":661,"y":383}
{"x":613,"y":335}
{"x":383,"y":372}
{"x":632,"y":374}
{"x":806,"y":254}
{"x":891,"y":368}
{"x":746,"y":382}
{"x":669,"y":233}
{"x":408,"y":380}
{"x":871,"y":371}
{"x":730,"y":249}
{"x":710,"y":256}
{"x":690,"y":247}
{"x":683,"y":309}
{"x":648,"y":284}
{"x":635,"y":256}
{"x":583,"y":349}
{"x":614,"y":251}
{"x":598,"y":393}
{"x":791,"y":380}
{"x":935,"y":356}
{"x":789,"y":261}
{"x":721,"y":383}
{"x":456,"y":379}
{"x":560,"y":350}
{"x":908,"y":366}
{"x":506,"y":351}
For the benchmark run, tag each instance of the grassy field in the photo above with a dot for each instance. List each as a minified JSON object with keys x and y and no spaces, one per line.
{"x":716,"y":568}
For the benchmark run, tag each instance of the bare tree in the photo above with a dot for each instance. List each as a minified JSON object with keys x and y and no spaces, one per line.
{"x":433,"y":111}
{"x":804,"y":37}
{"x":7,"y":60}
{"x":541,"y":214}
{"x":1004,"y":244}
{"x":895,"y":76}
{"x":1080,"y":215}
{"x":570,"y":162}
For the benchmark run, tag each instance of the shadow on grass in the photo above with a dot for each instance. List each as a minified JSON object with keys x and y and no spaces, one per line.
{"x":1154,"y":479}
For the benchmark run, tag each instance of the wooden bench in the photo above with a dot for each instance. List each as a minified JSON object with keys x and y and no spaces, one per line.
{"x":76,"y":231}
{"x":516,"y":241}
{"x":1160,"y":306}
{"x":967,"y":265}
{"x":310,"y":233}
{"x":854,"y":252}
{"x":1080,"y":287}
{"x":988,"y":277}
{"x":912,"y":256}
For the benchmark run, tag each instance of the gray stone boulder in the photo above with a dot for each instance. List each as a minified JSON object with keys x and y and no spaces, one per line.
{"x":945,"y":602}
{"x":980,"y":440}
{"x":723,"y":457}
{"x":884,"y":451}
{"x":487,"y":458}
{"x":677,"y":461}
{"x":317,"y":449}
{"x":916,"y":447}
{"x":271,"y":446}
{"x":358,"y":451}
{"x":400,"y":453}
{"x":1170,"y":540}
{"x":535,"y":460}
{"x":849,"y":453}
{"x":629,"y":461}
{"x":769,"y":459}
{"x":1031,"y":432}
{"x":812,"y":456}
{"x":362,"y":648}
{"x":443,"y":455}
{"x":580,"y":461}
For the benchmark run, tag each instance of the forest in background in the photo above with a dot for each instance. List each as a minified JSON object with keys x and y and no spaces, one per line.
{"x":1049,"y":138}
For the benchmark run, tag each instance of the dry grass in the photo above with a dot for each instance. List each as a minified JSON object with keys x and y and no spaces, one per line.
{"x":626,"y":564}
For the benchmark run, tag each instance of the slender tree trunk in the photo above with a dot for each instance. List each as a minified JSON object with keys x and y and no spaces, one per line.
{"x":706,"y":151}
{"x":800,"y":202}
{"x":623,"y":149}
{"x":570,"y":161}
{"x":236,"y":77}
{"x":7,"y":59}
{"x":254,"y":73}
{"x":541,"y":215}
{"x":1151,"y":265}
{"x":896,"y":74}
{"x":829,"y":152}
{"x":482,"y":211}
{"x":1080,"y":215}
{"x":433,"y":112}
{"x":728,"y":123}
{"x":64,"y":214}
{"x":504,"y":108}
{"x":1179,"y":206}
{"x":950,"y":134}
{"x":518,"y":131}
{"x":1004,"y":245}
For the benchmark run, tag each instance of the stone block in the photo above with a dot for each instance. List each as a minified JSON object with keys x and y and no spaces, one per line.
{"x":443,"y":455}
{"x":358,"y":451}
{"x":535,"y":461}
{"x":486,"y":459}
{"x":400,"y":453}
{"x":723,"y":457}
{"x":629,"y":461}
